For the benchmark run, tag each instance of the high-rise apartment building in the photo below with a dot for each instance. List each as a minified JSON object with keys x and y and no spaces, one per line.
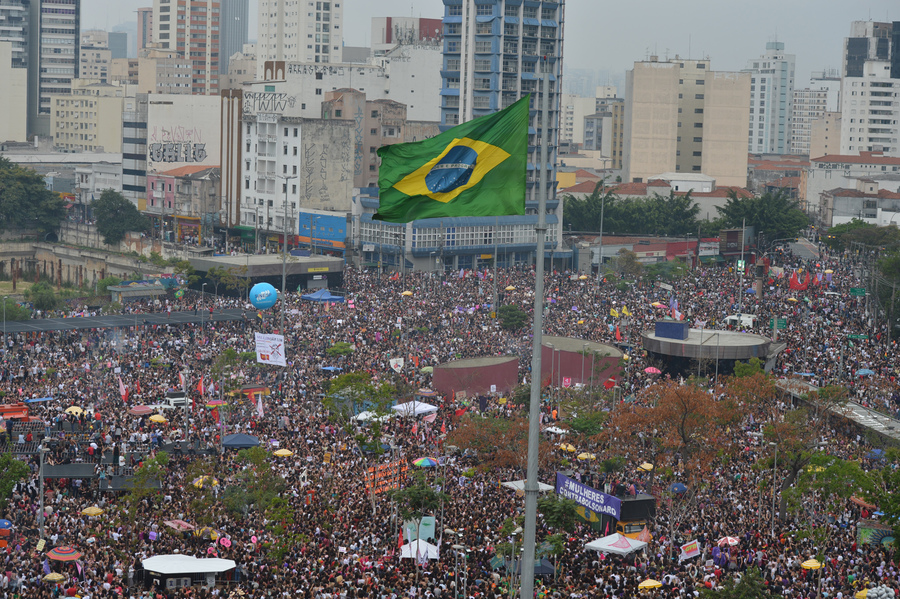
{"x":192,"y":29}
{"x":868,"y":41}
{"x":53,"y":54}
{"x":13,"y":96}
{"x":89,"y":119}
{"x":771,"y":98}
{"x":870,"y":116}
{"x":144,"y":27}
{"x":495,"y":52}
{"x":299,"y":30}
{"x":811,"y":103}
{"x":680,"y":116}
{"x":233,"y":31}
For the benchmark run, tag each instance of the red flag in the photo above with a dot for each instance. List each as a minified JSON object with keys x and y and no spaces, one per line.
{"x":415,"y":428}
{"x":215,"y":414}
{"x":618,"y":334}
{"x":443,"y":427}
{"x":200,"y":386}
{"x":137,"y":385}
{"x":400,"y":542}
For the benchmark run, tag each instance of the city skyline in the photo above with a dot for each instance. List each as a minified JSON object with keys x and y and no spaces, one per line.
{"x":675,"y":28}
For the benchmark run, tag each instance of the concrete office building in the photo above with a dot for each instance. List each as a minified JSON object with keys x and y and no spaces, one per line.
{"x":192,"y":29}
{"x":825,"y":135}
{"x":144,"y":28}
{"x":870,"y":41}
{"x":288,"y":32}
{"x":13,"y":95}
{"x":681,"y":117}
{"x":771,"y":96}
{"x":387,"y":32}
{"x":241,"y":68}
{"x":161,"y":71}
{"x":494,"y":53}
{"x":573,"y":111}
{"x":14,"y":19}
{"x":53,"y":54}
{"x":89,"y":118}
{"x":408,"y":72}
{"x":134,"y":150}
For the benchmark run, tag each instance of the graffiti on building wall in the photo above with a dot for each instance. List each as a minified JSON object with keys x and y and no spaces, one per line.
{"x":175,"y":134}
{"x":177,"y":152}
{"x":358,"y":141}
{"x":308,"y":69}
{"x":272,"y":102}
{"x":309,"y":169}
{"x":323,"y":172}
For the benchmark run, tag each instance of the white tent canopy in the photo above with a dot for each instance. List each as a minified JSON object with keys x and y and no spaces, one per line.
{"x":520,"y":484}
{"x":419,"y":548}
{"x":414,"y":408}
{"x":616,"y":543}
{"x":176,"y":563}
{"x":367,"y":415}
{"x":555,"y":430}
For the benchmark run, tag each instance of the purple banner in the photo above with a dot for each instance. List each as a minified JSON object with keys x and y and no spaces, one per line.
{"x":589,"y":497}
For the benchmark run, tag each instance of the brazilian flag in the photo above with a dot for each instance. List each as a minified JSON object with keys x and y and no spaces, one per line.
{"x":474,"y":169}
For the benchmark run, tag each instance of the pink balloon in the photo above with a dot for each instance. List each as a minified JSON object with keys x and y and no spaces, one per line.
{"x":253,"y":539}
{"x":210,"y":550}
{"x":225,"y":542}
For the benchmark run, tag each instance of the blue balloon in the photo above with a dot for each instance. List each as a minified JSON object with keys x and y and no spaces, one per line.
{"x":263,"y":296}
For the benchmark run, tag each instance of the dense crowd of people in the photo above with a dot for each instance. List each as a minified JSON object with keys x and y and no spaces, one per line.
{"x":344,"y":544}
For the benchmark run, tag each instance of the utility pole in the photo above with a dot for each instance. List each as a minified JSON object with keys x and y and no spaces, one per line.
{"x":284,"y":250}
{"x":494,"y":304}
{"x":741,"y":285}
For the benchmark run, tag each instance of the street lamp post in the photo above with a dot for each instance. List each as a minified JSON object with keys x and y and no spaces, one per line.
{"x":284,"y":249}
{"x":5,"y":299}
{"x":583,"y":351}
{"x":202,"y":304}
{"x":41,"y":451}
{"x":774,"y":475}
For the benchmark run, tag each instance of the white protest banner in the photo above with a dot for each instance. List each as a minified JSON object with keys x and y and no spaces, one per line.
{"x":689,"y":550}
{"x":397,"y":364}
{"x":270,"y":349}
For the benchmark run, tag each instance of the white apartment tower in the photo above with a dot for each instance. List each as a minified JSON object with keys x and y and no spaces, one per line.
{"x":771,"y":99}
{"x":299,"y":30}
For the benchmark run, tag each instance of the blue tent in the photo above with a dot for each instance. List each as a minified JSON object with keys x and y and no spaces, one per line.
{"x":322,"y":295}
{"x":239,"y":441}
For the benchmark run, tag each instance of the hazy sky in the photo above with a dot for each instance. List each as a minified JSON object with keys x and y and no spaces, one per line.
{"x":611,"y":35}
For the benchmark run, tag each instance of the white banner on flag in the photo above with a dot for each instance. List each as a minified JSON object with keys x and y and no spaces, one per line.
{"x":270,"y":349}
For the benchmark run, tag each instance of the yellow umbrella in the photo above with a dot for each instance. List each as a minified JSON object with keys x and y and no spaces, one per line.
{"x":510,"y":288}
{"x":407,"y":293}
{"x":92,"y":511}
{"x":650,"y":584}
{"x":815,"y":469}
{"x":792,"y":299}
{"x":284,"y":453}
{"x":862,"y":594}
{"x":158,"y":418}
{"x":646,"y":467}
{"x":586,"y":456}
{"x":811,"y":564}
{"x":582,"y":277}
{"x":829,"y":272}
{"x":202,"y":481}
{"x":580,"y":322}
{"x":626,"y":357}
{"x":567,"y":447}
{"x":74,"y":411}
{"x":54,"y":577}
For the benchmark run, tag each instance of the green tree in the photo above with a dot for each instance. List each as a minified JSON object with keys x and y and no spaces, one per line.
{"x":185,"y":271}
{"x":116,"y":216}
{"x":512,"y":317}
{"x":751,"y":585}
{"x":341,"y":348}
{"x":103,"y":285}
{"x":837,"y":236}
{"x":236,"y":279}
{"x":748,"y":368}
{"x":42,"y":296}
{"x":558,"y":512}
{"x":15,"y":311}
{"x":882,"y":491}
{"x":417,"y":500}
{"x":216,"y":275}
{"x":11,"y":472}
{"x":25,"y":201}
{"x":583,"y":214}
{"x":774,"y":213}
{"x":627,"y":263}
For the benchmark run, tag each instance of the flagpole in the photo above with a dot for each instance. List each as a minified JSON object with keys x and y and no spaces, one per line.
{"x":526,"y":587}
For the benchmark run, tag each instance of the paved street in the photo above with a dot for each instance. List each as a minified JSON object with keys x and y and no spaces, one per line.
{"x":115,"y":321}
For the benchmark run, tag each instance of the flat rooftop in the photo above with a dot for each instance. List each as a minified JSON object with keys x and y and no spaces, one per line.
{"x":575,"y":345}
{"x":709,"y":344}
{"x":268,"y":265}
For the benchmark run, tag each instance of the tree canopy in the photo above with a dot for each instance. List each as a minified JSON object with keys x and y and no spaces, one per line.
{"x":773,"y":213}
{"x":673,"y":214}
{"x":116,"y":216}
{"x":25,"y":202}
